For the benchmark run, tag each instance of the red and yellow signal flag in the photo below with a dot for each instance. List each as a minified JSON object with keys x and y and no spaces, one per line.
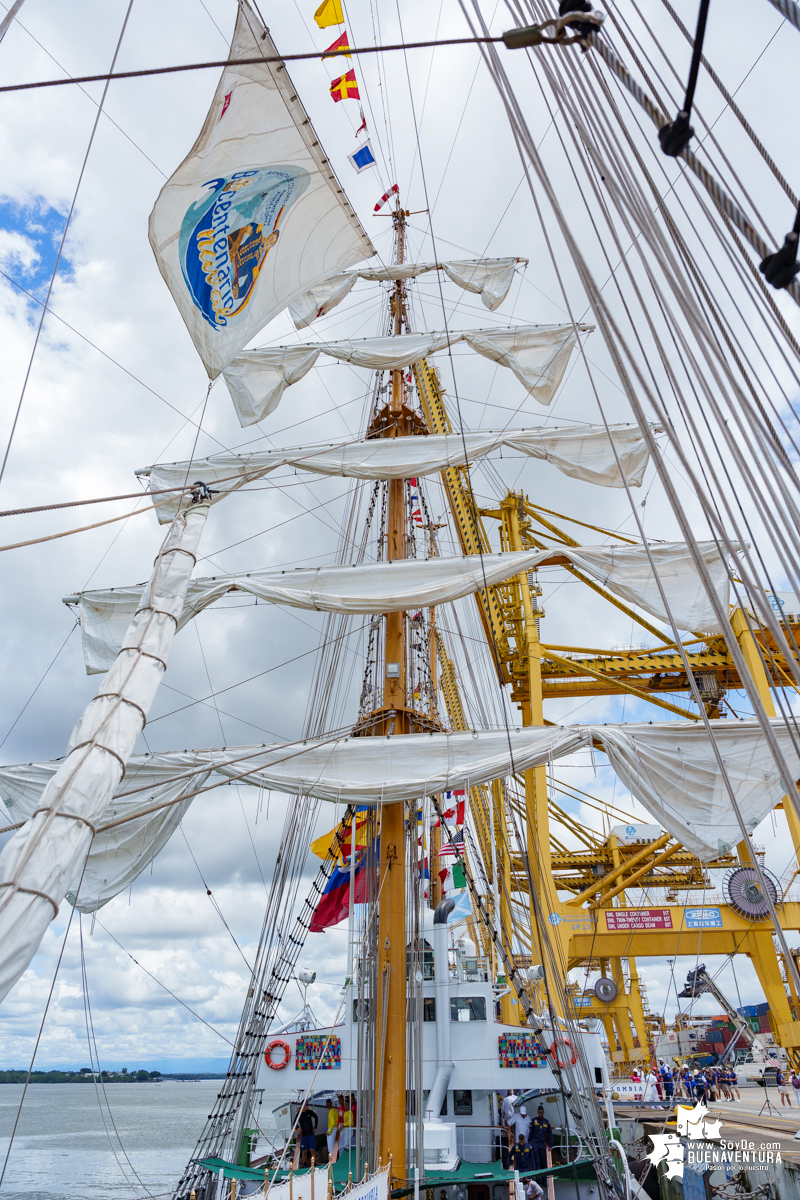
{"x":345,"y":87}
{"x":340,"y":46}
{"x":329,"y":13}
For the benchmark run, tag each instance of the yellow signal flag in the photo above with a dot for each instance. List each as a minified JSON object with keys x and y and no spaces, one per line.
{"x":329,"y":13}
{"x":323,"y":845}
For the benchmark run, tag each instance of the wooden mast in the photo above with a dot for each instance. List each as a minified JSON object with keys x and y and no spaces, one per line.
{"x":390,"y":1041}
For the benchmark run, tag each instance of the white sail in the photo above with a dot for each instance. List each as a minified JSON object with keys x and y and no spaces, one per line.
{"x":363,"y":589}
{"x":626,"y":571}
{"x":370,"y":770}
{"x":254,"y":215}
{"x":581,"y":451}
{"x":118,"y":855}
{"x":537,"y":355}
{"x":41,"y":860}
{"x":671,"y":769}
{"x":490,"y":278}
{"x":323,"y":297}
{"x":259,"y":378}
{"x":415,"y":583}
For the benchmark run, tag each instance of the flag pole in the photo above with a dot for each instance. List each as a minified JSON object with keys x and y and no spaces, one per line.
{"x":352,"y":899}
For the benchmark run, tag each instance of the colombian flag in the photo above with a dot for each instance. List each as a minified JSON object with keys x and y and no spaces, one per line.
{"x":345,"y":87}
{"x":334,"y":903}
{"x":325,"y":845}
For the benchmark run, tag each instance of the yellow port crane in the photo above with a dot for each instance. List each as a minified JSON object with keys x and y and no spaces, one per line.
{"x":595,"y":928}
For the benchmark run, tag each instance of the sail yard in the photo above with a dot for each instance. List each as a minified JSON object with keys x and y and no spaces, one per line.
{"x":504,"y":468}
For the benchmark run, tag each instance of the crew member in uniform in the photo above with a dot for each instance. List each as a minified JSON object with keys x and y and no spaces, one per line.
{"x":541,"y":1136}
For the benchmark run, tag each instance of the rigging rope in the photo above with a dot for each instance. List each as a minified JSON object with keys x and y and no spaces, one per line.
{"x":160,"y":983}
{"x":242,"y":62}
{"x":617,"y":345}
{"x":789,"y":9}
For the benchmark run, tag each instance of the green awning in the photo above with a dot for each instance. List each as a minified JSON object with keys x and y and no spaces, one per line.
{"x":466,"y":1172}
{"x":469,"y":1172}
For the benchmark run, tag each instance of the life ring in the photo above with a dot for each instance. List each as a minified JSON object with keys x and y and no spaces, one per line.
{"x":287,"y":1054}
{"x":568,"y":1046}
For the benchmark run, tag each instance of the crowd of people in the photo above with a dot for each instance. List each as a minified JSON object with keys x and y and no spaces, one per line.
{"x":338,"y":1135}
{"x":669,"y":1082}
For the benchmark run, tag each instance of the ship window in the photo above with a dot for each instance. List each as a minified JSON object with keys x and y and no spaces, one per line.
{"x":428,"y":1008}
{"x":467,"y":1008}
{"x":598,"y":1074}
{"x":425,"y":1095}
{"x":462,"y":1103}
{"x":364,"y":1008}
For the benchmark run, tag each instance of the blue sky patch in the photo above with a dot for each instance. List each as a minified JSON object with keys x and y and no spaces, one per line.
{"x":29,"y":239}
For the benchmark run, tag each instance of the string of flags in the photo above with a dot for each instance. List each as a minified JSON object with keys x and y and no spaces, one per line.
{"x":345,"y":87}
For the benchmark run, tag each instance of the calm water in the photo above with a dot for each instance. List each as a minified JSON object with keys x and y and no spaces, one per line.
{"x":61,"y":1147}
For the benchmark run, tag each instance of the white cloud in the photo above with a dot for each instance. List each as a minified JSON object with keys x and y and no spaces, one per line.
{"x":16,"y":250}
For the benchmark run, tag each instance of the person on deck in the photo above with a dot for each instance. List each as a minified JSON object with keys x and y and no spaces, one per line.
{"x":307,"y":1121}
{"x":541,"y":1138}
{"x":522,"y":1124}
{"x":521,"y":1156}
{"x":339,"y":1124}
{"x":507,"y":1114}
{"x":333,"y":1125}
{"x":346,"y":1137}
{"x":532,"y":1190}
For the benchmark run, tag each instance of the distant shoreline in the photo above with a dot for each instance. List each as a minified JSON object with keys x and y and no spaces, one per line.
{"x":108,"y":1076}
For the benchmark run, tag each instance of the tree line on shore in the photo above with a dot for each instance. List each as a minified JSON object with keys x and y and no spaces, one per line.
{"x":83,"y":1076}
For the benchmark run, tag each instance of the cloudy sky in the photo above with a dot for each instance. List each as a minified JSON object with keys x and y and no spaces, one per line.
{"x":115,"y":384}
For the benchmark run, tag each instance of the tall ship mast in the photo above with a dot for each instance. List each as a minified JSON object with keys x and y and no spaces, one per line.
{"x":497,"y":914}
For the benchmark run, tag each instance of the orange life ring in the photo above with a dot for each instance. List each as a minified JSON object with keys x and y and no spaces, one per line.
{"x":567,"y":1044}
{"x":274,"y":1045}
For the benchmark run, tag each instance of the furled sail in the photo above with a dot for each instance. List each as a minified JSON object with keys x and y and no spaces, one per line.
{"x":581,"y":451}
{"x":536,"y":354}
{"x":120,"y":854}
{"x":254,"y":216}
{"x":671,"y":769}
{"x":41,"y":860}
{"x":490,"y":278}
{"x":626,"y":571}
{"x":413,"y":583}
{"x":366,"y":588}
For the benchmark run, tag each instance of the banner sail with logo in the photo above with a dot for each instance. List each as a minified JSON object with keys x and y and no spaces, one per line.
{"x":254,"y":216}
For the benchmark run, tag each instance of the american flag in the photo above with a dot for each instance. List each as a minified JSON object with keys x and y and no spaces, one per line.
{"x":450,"y":849}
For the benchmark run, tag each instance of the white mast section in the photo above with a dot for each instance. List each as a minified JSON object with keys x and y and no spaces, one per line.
{"x":44,"y":858}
